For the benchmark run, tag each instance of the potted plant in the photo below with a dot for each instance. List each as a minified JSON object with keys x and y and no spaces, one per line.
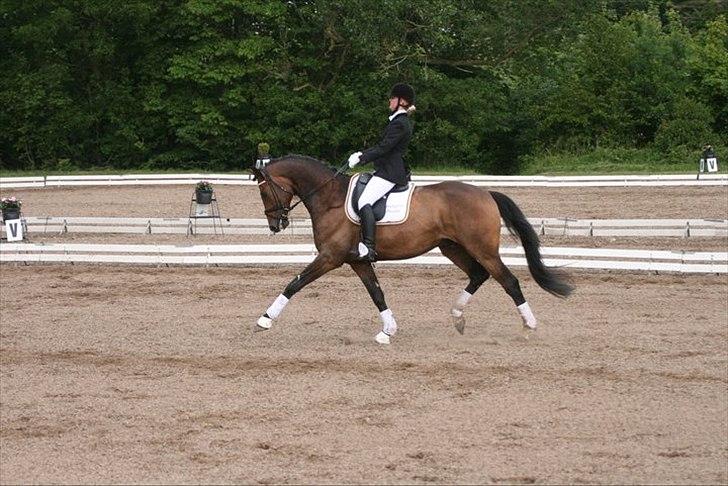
{"x":263,"y":155}
{"x":203,"y":192}
{"x":10,"y":207}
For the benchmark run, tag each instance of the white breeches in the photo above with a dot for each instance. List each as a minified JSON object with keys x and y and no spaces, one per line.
{"x":375,"y":189}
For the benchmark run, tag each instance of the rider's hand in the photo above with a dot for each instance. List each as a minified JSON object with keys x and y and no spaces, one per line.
{"x":354,"y":159}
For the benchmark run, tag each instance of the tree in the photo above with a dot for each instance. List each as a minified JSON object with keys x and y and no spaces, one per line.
{"x":708,"y":62}
{"x":68,"y":88}
{"x":615,"y":84}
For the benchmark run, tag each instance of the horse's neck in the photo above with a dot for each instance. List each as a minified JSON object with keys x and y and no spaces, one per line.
{"x":305,"y":181}
{"x":318,"y":187}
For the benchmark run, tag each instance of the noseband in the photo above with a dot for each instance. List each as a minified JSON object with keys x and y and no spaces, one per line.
{"x":280,"y":212}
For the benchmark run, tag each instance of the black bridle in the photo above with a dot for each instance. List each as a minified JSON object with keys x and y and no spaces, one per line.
{"x":280,"y":212}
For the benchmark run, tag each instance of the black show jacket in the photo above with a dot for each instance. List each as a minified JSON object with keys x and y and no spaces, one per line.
{"x":387,"y":154}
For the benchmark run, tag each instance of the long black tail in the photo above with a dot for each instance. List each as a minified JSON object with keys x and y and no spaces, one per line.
{"x":518,"y":225}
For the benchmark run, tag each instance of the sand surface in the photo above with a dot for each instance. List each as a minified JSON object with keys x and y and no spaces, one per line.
{"x":119,"y":374}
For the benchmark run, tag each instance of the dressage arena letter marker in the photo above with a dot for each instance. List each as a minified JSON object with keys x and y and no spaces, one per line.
{"x":14,"y":230}
{"x":712,"y":163}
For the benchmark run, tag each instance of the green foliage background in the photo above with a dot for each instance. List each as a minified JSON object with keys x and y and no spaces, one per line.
{"x":503,"y":86}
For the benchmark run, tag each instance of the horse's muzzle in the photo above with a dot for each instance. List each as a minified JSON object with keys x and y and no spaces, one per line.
{"x":281,"y":224}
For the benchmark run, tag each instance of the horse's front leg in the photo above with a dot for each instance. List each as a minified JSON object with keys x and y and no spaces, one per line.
{"x":369,"y":278}
{"x":322,"y":264}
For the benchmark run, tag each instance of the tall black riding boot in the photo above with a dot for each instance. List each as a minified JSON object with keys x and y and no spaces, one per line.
{"x":368,"y":231}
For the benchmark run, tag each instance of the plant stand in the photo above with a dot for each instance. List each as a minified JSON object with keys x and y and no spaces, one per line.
{"x":212,"y":213}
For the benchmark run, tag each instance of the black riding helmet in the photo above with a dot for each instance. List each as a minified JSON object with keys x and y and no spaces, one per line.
{"x":404,"y":91}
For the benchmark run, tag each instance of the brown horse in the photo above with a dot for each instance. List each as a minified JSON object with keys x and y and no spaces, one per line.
{"x":461,"y":219}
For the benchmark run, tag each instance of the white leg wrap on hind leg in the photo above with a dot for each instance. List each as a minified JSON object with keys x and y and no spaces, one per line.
{"x":460,"y":303}
{"x":529,"y":320}
{"x":277,"y":307}
{"x":389,"y":326}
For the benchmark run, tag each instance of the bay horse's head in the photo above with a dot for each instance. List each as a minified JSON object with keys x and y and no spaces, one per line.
{"x":276,"y":193}
{"x":312,"y":181}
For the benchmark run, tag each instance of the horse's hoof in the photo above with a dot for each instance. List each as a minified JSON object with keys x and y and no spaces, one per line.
{"x":264,"y":323}
{"x":459,"y":323}
{"x":382,"y":338}
{"x":528,"y":332}
{"x":529,"y":326}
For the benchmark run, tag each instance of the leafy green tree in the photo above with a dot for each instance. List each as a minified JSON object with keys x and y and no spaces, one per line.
{"x":217,"y":56}
{"x":68,"y":92}
{"x":176,"y":84}
{"x":708,"y":62}
{"x":615,"y":84}
{"x":687,"y":128}
{"x":695,"y":14}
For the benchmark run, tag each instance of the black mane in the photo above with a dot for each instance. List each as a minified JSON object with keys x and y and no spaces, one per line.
{"x":306,"y":158}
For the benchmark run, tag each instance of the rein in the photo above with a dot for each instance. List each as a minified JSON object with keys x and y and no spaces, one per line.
{"x":281,"y":211}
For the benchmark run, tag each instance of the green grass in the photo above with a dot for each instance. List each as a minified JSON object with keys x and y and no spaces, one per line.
{"x":106,"y":170}
{"x":599,"y":161}
{"x":443,"y":170}
{"x":610,"y":161}
{"x":440,"y":170}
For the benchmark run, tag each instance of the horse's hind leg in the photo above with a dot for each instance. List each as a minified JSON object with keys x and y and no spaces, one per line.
{"x":475,"y":272}
{"x":493,"y":263}
{"x":369,"y":278}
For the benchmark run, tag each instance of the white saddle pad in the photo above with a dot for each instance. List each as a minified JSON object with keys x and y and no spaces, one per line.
{"x":398,"y":204}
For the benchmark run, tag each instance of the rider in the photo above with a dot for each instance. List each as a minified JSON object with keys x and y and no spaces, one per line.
{"x":390,"y":168}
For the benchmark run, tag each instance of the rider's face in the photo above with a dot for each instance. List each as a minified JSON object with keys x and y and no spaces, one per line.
{"x":393,"y":103}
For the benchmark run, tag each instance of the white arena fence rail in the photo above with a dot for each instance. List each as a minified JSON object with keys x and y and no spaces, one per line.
{"x":261,"y":254}
{"x":543,"y":226}
{"x":478,"y":180}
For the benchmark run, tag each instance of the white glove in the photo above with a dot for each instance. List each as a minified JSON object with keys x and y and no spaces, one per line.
{"x":354,"y":159}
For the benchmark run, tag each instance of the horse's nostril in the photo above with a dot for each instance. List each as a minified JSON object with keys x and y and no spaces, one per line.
{"x":273,"y":228}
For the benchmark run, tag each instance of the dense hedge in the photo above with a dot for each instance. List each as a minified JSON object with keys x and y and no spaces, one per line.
{"x":169,"y":84}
